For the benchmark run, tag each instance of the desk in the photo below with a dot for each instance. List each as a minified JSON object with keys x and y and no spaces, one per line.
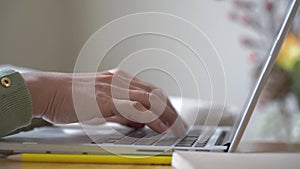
{"x":18,"y":165}
{"x":252,"y":146}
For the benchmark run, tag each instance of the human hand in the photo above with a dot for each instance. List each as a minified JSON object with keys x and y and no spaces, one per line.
{"x":119,"y":97}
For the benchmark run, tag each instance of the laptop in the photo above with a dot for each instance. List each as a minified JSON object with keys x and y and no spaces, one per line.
{"x":112,"y":138}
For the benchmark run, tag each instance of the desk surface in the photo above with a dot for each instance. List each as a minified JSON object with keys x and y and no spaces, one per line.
{"x":19,"y":165}
{"x":252,"y":146}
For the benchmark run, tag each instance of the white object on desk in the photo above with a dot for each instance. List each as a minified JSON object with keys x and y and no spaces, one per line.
{"x":195,"y":112}
{"x":210,"y":160}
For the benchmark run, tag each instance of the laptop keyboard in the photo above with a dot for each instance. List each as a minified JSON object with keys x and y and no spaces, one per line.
{"x":149,"y":137}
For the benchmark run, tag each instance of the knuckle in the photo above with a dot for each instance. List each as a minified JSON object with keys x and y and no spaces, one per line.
{"x":105,"y":100}
{"x":144,"y":94}
{"x":107,"y":78}
{"x":135,"y":103}
{"x":117,"y":71}
{"x":103,"y":87}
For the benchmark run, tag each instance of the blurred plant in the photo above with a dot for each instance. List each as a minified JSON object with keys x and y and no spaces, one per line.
{"x":263,"y":17}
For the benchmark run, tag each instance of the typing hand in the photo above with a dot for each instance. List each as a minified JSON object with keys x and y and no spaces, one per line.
{"x":112,"y":96}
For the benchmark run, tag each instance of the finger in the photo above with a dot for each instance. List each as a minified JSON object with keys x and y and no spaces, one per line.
{"x":133,"y":95}
{"x":143,"y":85}
{"x":135,"y":111}
{"x":169,"y":116}
{"x":162,"y":111}
{"x":142,"y":115}
{"x":158,"y":126}
{"x":106,"y":106}
{"x":174,"y":122}
{"x":151,"y":101}
{"x":157,"y":104}
{"x":124,"y":80}
{"x":151,"y":89}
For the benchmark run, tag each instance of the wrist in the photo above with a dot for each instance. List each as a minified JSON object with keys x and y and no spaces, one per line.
{"x":43,"y":88}
{"x":31,"y":79}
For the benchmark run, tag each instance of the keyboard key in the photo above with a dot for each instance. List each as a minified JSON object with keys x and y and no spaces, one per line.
{"x":127,"y":140}
{"x":138,"y":133}
{"x":201,"y":143}
{"x":109,"y":138}
{"x":146,"y":141}
{"x":152,"y":133}
{"x":167,"y":141}
{"x":99,"y":140}
{"x":188,"y":141}
{"x":150,"y":139}
{"x":194,"y":132}
{"x":115,"y":136}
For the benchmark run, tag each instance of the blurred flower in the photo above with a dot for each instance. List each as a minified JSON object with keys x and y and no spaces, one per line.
{"x":290,"y":52}
{"x":261,"y":16}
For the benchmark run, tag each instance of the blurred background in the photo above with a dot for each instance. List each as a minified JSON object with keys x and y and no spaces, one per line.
{"x":49,"y":34}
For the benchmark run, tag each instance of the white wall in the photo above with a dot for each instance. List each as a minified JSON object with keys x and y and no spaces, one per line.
{"x":48,"y":35}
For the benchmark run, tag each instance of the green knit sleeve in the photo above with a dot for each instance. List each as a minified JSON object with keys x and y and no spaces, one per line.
{"x":15,"y":102}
